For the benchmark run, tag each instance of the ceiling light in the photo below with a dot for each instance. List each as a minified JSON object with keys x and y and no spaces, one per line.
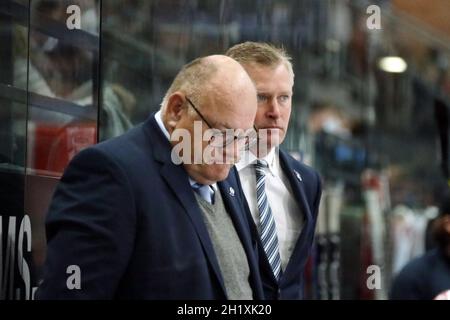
{"x":392,"y":64}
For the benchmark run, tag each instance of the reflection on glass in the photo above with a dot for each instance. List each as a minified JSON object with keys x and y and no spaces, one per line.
{"x":52,"y":144}
{"x":64,"y":60}
{"x":20,"y":54}
{"x":13,"y":72}
{"x":63,"y":63}
{"x":64,"y":80}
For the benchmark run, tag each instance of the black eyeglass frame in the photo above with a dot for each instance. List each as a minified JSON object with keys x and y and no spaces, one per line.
{"x":225,"y":144}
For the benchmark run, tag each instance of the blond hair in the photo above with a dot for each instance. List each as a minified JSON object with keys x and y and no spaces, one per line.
{"x":260,"y":53}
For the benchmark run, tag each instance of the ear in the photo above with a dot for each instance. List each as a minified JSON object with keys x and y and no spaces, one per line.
{"x":174,"y":109}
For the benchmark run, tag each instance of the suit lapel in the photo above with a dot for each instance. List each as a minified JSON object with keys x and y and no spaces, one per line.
{"x":177,"y":179}
{"x":297,"y":186}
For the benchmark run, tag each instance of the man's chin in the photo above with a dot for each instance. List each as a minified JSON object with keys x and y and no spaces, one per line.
{"x":219,"y":173}
{"x":271,"y":136}
{"x":264,"y":147}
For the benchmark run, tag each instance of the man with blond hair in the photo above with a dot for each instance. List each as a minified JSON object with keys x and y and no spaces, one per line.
{"x":283,"y":194}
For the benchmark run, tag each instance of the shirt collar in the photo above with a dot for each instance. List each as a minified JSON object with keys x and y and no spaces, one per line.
{"x":192,"y":182}
{"x":249,"y":158}
{"x":161,"y":125}
{"x":213,"y":186}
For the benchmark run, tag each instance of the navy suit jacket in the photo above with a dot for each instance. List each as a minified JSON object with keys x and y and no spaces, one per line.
{"x":306,"y":187}
{"x":128,"y":218}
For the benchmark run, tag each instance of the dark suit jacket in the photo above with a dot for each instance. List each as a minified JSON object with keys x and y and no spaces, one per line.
{"x":127,"y":216}
{"x":306,"y":187}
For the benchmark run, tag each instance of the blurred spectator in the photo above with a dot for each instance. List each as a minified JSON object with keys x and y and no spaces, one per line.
{"x":328,"y":117}
{"x":427,"y":277}
{"x":65,"y":70}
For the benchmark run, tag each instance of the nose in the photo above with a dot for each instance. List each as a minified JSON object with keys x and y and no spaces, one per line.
{"x":273,"y":110}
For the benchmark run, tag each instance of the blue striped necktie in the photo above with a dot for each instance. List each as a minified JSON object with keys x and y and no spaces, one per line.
{"x":268,"y":231}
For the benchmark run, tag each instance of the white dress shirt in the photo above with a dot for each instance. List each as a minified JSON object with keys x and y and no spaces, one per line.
{"x":288,"y":217}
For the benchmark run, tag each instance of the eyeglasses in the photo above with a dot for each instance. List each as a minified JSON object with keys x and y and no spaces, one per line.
{"x":221,"y":138}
